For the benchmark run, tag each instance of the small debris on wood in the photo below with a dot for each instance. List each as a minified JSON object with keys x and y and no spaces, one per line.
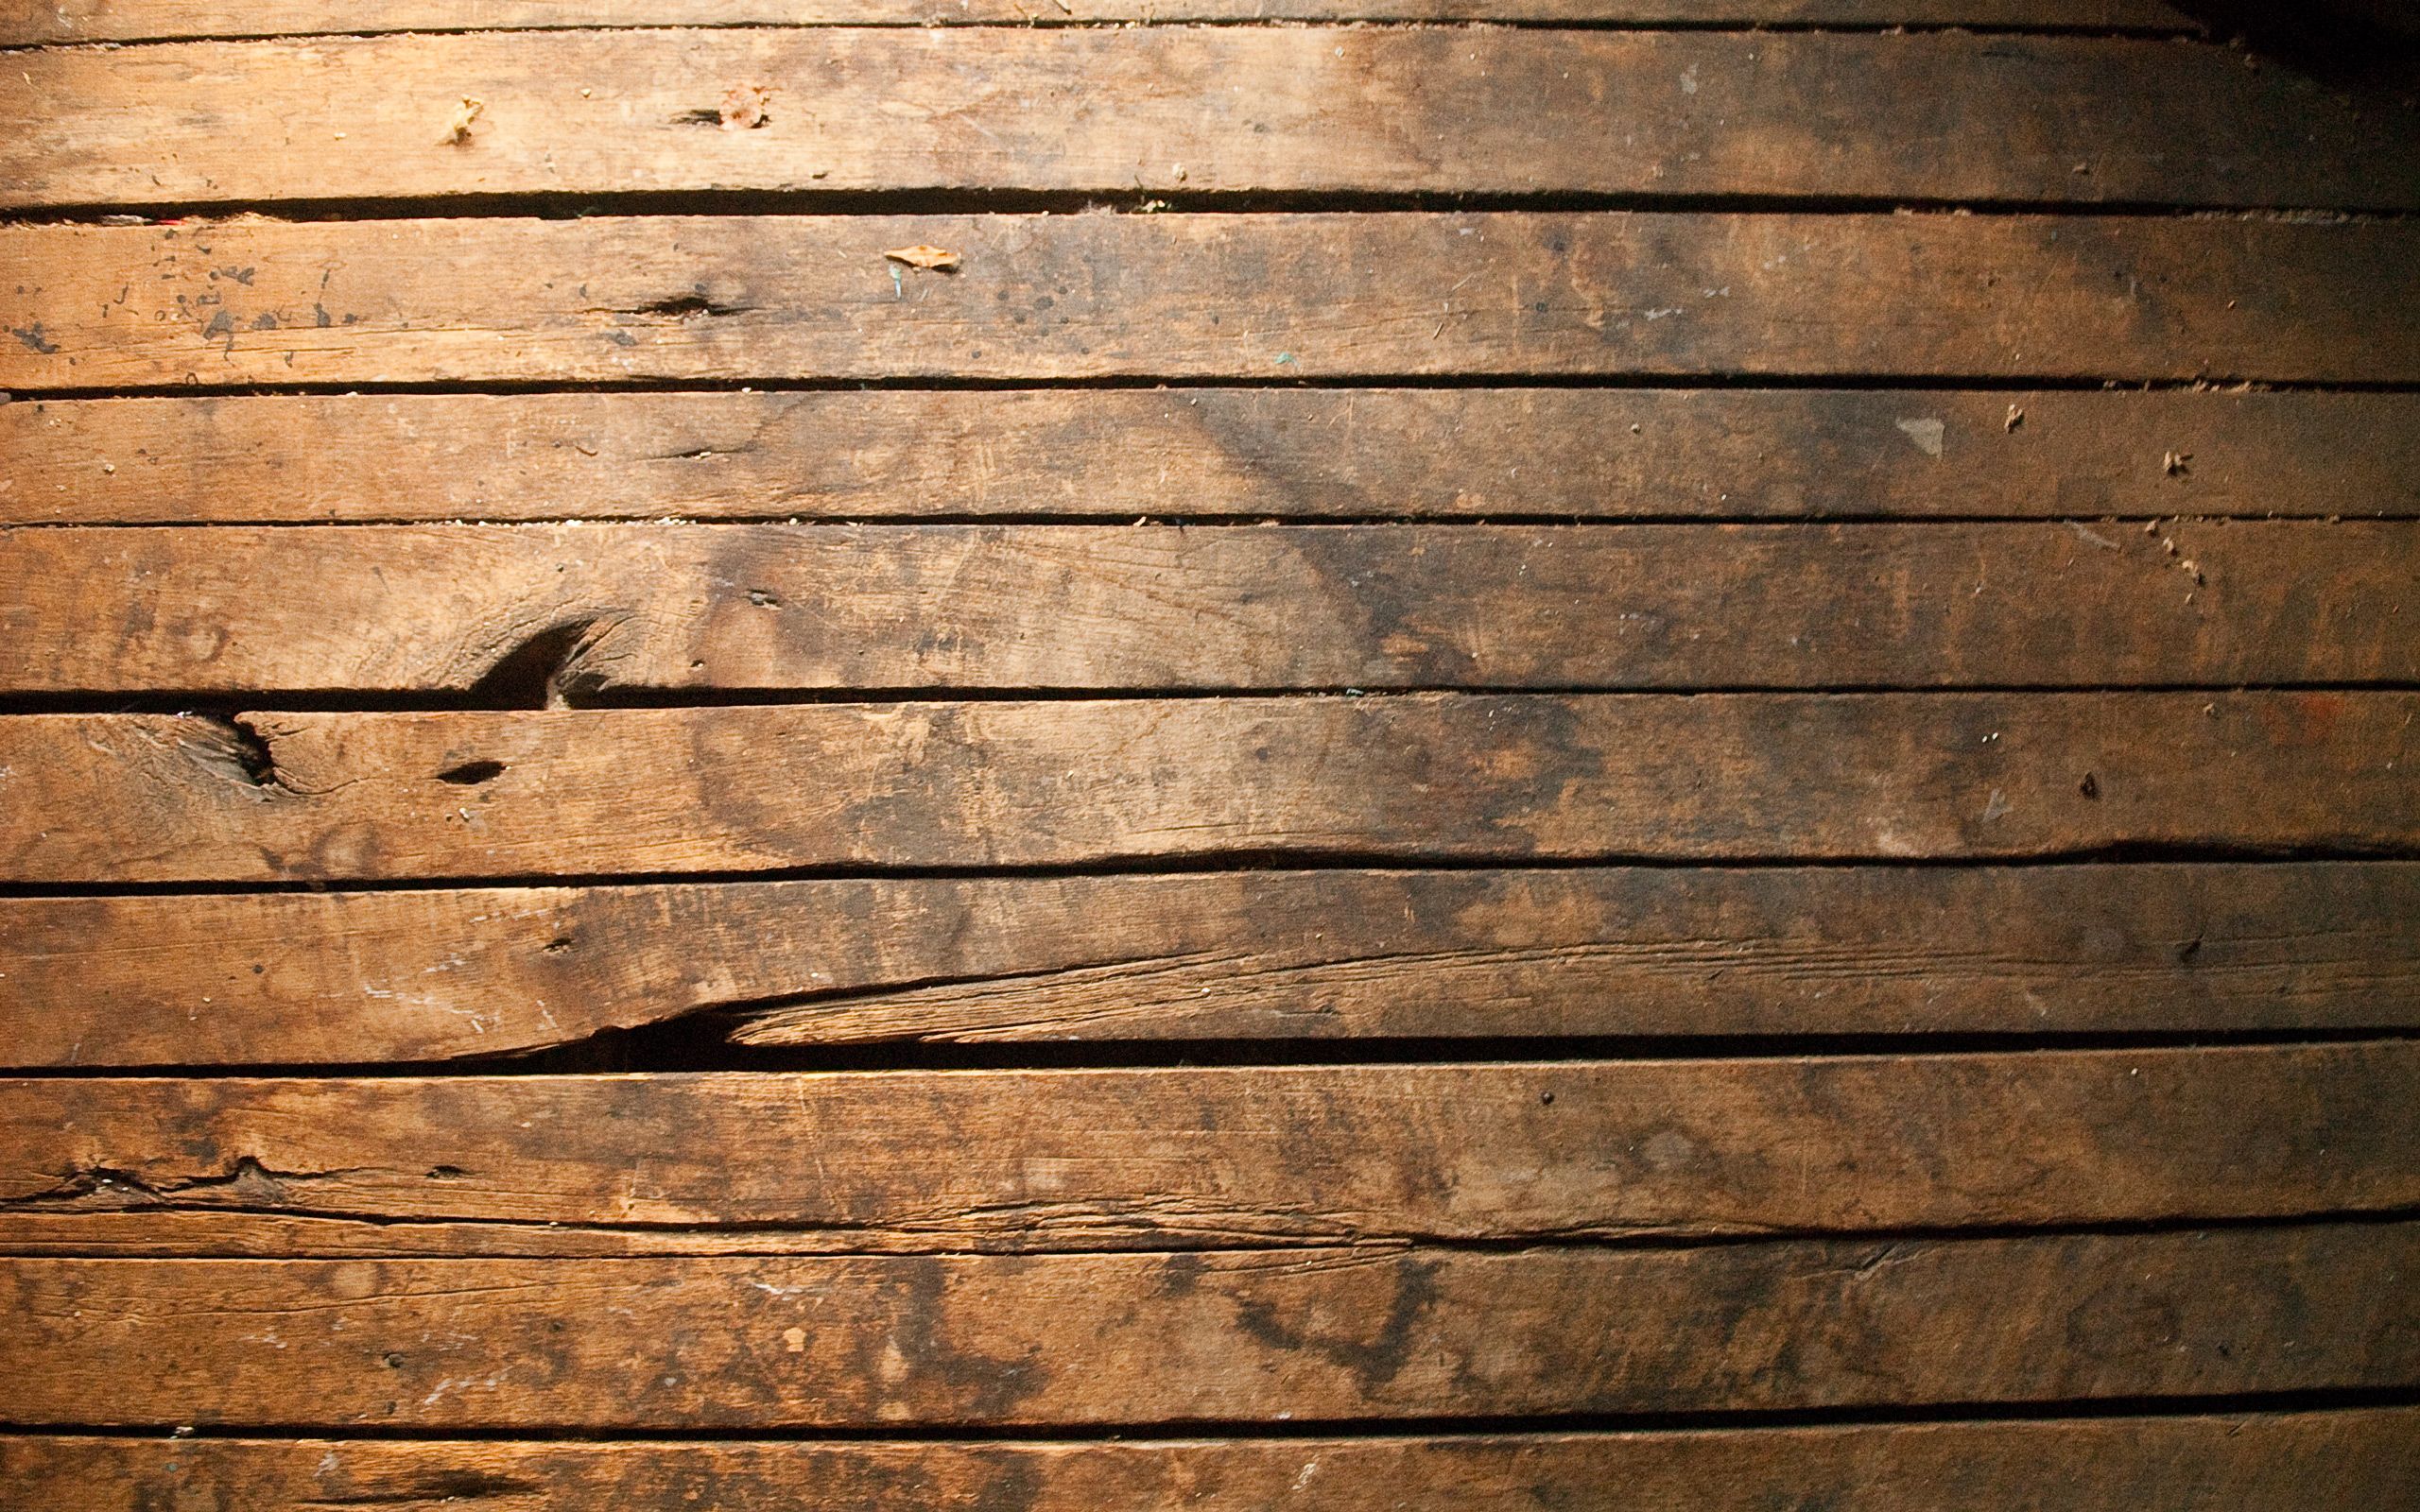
{"x":2015,"y":418}
{"x":2174,"y":463}
{"x":459,"y":130}
{"x":931,"y":259}
{"x":2090,"y":786}
{"x":746,"y":108}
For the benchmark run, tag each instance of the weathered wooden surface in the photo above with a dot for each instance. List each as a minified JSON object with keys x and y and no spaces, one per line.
{"x":1199,"y":109}
{"x":2250,"y":1462}
{"x":66,"y":21}
{"x":331,"y":796}
{"x":1117,"y":454}
{"x":414,"y":974}
{"x":448,"y":608}
{"x":1209,"y":1158}
{"x":1265,"y":296}
{"x":1217,"y":1337}
{"x":1916,"y":557}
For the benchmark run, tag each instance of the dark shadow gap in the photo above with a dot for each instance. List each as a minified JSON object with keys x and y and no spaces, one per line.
{"x":1127,"y":520}
{"x":927,"y":382}
{"x":2052,"y":1410}
{"x":693,"y":1043}
{"x":1129,"y":199}
{"x":531,"y":679}
{"x":1407,"y":859}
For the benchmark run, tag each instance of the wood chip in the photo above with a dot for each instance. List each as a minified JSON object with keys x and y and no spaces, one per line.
{"x":459,"y":131}
{"x":933,"y":259}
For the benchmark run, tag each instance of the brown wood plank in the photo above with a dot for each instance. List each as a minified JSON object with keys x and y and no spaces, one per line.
{"x":1050,"y":1160}
{"x":330,"y":796}
{"x":1210,"y":296}
{"x":66,"y":21}
{"x":415,"y":974}
{"x":2251,"y":1461}
{"x":1238,"y":1336}
{"x":1210,"y":453}
{"x":644,"y":607}
{"x":1198,"y":110}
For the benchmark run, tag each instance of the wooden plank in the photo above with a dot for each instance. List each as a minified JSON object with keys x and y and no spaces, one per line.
{"x":1198,"y":111}
{"x":650,"y":607}
{"x":1319,"y":1335}
{"x":1052,"y":1160}
{"x":2253,"y":1462}
{"x":331,"y":796}
{"x":1113,"y":454}
{"x":23,"y":22}
{"x":1265,"y":296}
{"x":414,"y":974}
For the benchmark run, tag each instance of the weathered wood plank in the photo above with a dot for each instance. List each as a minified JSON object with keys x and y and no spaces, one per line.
{"x":330,"y":796}
{"x":1048,"y":1161}
{"x":1210,"y":296}
{"x":1198,"y":110}
{"x":1221,"y":1337}
{"x":417,"y":975}
{"x":2257,"y":1462}
{"x":448,"y":608}
{"x":1210,"y":453}
{"x":24,"y":22}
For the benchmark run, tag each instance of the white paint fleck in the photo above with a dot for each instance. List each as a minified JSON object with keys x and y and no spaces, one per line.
{"x":1926,"y":433}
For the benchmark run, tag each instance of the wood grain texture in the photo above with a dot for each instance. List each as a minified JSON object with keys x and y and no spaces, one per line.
{"x":414,"y":974}
{"x":450,"y":608}
{"x":331,"y":796}
{"x":1200,"y":110}
{"x":1210,"y":1158}
{"x":1266,"y":296}
{"x":1241,"y":1336}
{"x":2257,"y":1462}
{"x":24,"y":22}
{"x":1116,"y":455}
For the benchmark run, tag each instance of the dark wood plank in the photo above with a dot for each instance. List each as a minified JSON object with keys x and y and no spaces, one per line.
{"x":2253,"y":1462}
{"x":414,"y":976}
{"x":1043,"y":1160}
{"x":66,"y":21}
{"x":1198,"y":110}
{"x":1210,"y":453}
{"x":1210,"y":296}
{"x":1315,"y":1336}
{"x":448,"y":608}
{"x":330,"y":796}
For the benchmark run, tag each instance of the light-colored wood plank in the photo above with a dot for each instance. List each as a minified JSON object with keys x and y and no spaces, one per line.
{"x":646,"y":609}
{"x":66,"y":21}
{"x":1117,"y":454}
{"x":2252,"y":1462}
{"x":412,"y":974}
{"x":1241,"y":1336}
{"x":1268,"y":297}
{"x":1197,"y":110}
{"x":1044,"y":1160}
{"x":331,"y":796}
